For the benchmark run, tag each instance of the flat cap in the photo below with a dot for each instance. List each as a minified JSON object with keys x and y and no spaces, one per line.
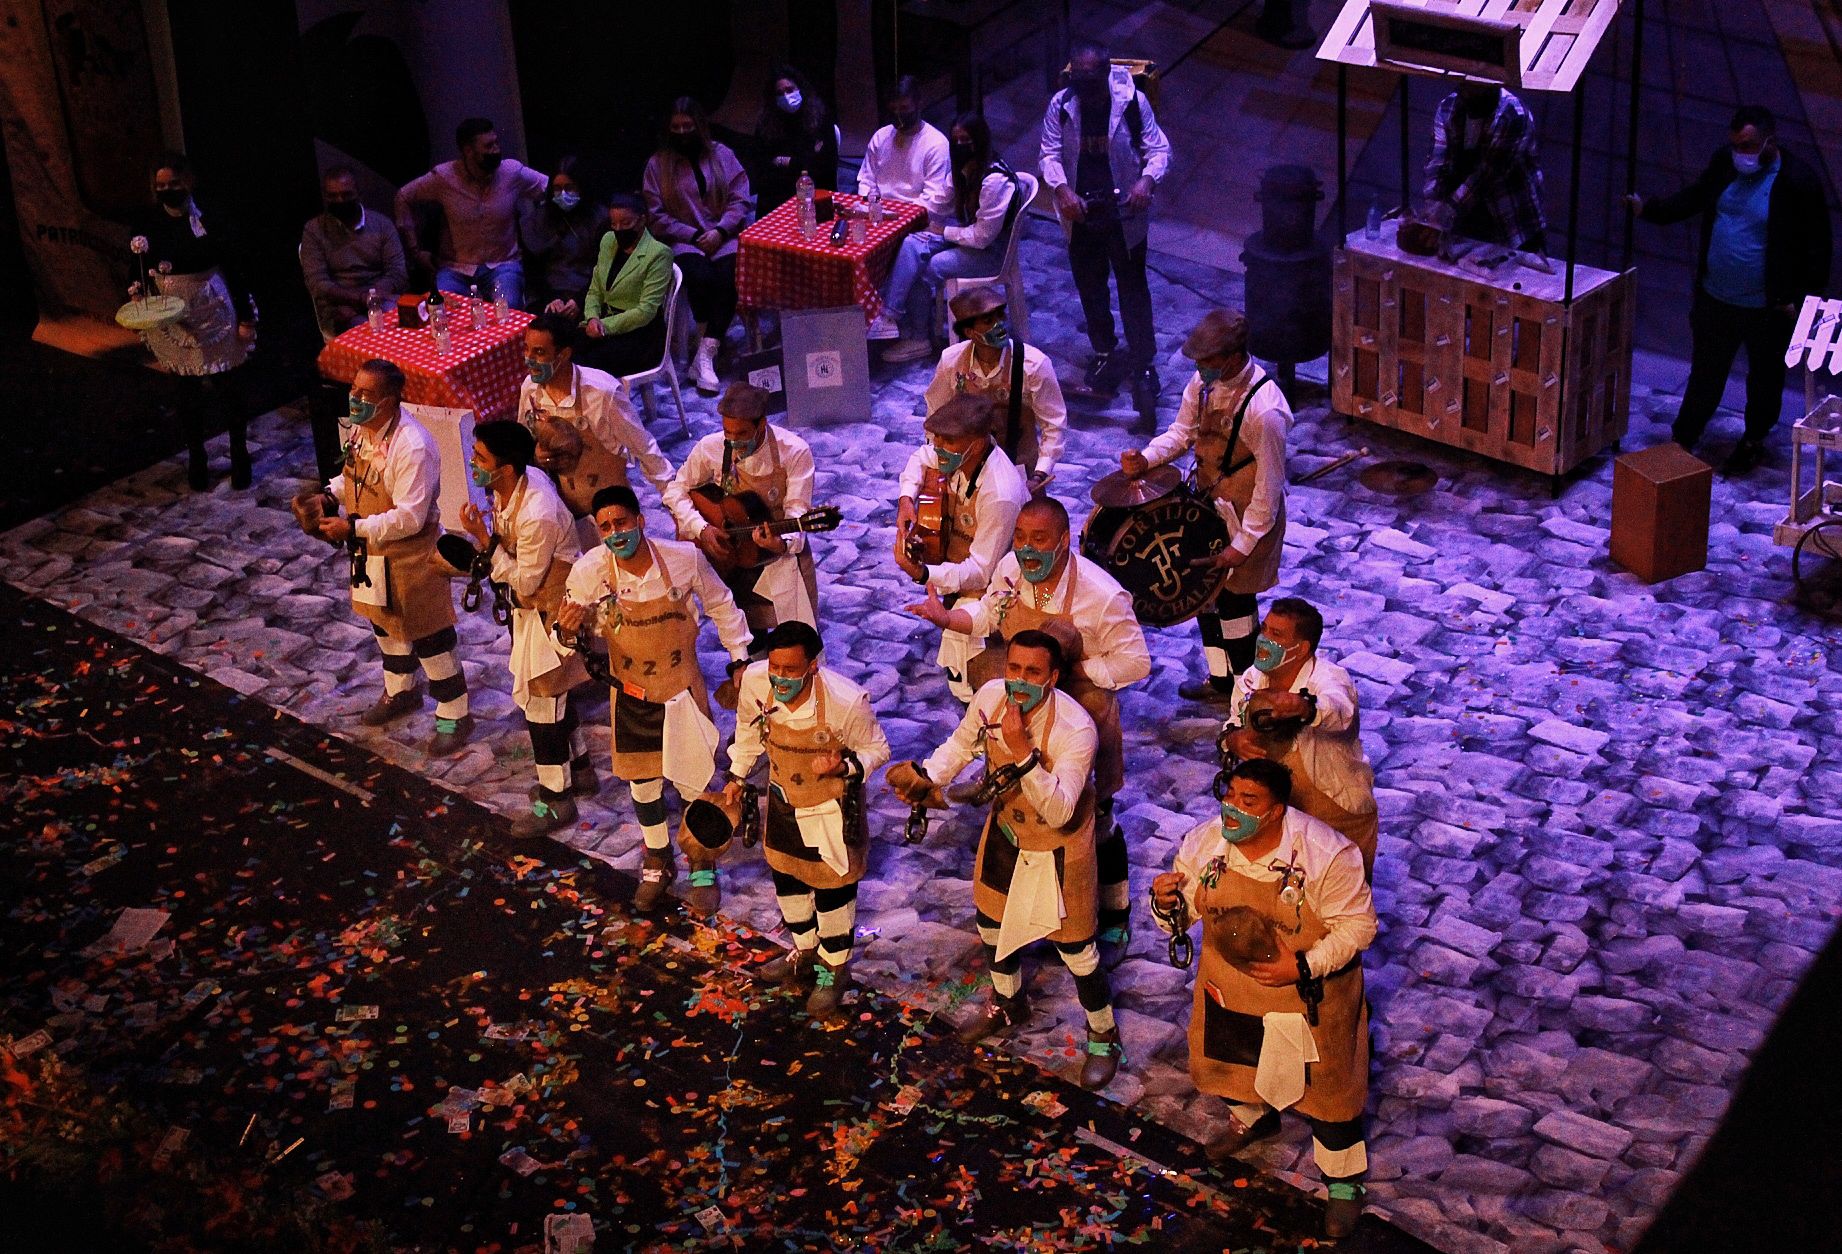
{"x":1221,"y":331}
{"x":975,"y":301}
{"x":963,"y":416}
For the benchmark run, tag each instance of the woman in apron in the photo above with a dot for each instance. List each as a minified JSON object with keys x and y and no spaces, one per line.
{"x":822,"y":741}
{"x":195,"y":257}
{"x":1235,"y":419}
{"x":1036,"y":875}
{"x":533,"y":545}
{"x":1280,"y":1020}
{"x":648,"y":598}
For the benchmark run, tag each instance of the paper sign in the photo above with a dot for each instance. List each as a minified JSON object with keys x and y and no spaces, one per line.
{"x":767,"y":378}
{"x":134,"y":929}
{"x":825,"y":370}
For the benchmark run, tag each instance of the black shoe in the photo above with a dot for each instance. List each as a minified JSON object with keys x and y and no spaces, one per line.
{"x":1003,"y":1014}
{"x":1239,"y":1136}
{"x":450,"y":735}
{"x":1342,"y":1209}
{"x":1146,"y":385}
{"x":388,"y":709}
{"x":549,"y":812}
{"x":1746,"y":455}
{"x":1096,"y":368}
{"x":583,"y":782}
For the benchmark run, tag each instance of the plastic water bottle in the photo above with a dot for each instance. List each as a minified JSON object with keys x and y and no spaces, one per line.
{"x":1373,"y":228}
{"x":858,"y":230}
{"x":374,"y":310}
{"x":438,"y":321}
{"x":876,"y":206}
{"x":805,"y":191}
{"x":476,"y":309}
{"x":501,"y":307}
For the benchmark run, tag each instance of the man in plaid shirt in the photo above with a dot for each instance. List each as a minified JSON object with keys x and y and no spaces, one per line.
{"x":1483,"y":174}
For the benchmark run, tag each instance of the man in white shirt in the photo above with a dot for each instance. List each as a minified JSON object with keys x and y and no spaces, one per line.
{"x":1042,"y":580}
{"x":648,"y":598}
{"x":981,"y":493}
{"x":1234,"y":418}
{"x":1032,"y":417}
{"x":1280,"y":1019}
{"x":389,"y":489}
{"x":532,"y":539}
{"x":585,"y":426}
{"x":908,"y":159}
{"x":1035,"y":869}
{"x":1307,"y":721}
{"x":770,"y":470}
{"x":822,"y":742}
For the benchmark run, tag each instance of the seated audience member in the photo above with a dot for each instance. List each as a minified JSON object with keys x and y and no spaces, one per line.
{"x":476,"y":198}
{"x":907,"y":159}
{"x":795,"y":134}
{"x":560,"y":235}
{"x":345,"y":252}
{"x":623,"y":312}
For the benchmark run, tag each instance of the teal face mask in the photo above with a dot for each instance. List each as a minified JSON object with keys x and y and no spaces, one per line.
{"x":1044,"y":560}
{"x":785,"y":689}
{"x":742,"y":448}
{"x":358,"y":411}
{"x":624,"y":543}
{"x":482,"y":477}
{"x":1237,"y":824}
{"x":540,"y":371}
{"x":1031,"y":694}
{"x":996,"y":336}
{"x":949,"y":463}
{"x":1210,"y":374}
{"x":1269,"y":655}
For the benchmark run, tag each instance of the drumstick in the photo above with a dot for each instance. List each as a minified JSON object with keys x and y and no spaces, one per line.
{"x":1327,"y":467}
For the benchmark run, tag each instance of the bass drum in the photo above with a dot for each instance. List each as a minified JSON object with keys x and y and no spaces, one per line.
{"x":1153,"y":550}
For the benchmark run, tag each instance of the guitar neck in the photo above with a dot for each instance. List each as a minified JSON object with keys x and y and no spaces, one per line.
{"x":779,"y":528}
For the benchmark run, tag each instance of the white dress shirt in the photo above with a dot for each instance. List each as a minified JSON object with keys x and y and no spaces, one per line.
{"x":1113,"y":652}
{"x":704,"y":465}
{"x":909,"y":167}
{"x":598,"y":400}
{"x":676,"y":567}
{"x":1334,"y":885}
{"x":1055,"y":787}
{"x":1331,"y":746}
{"x":1001,"y":494}
{"x":959,"y":370}
{"x":541,"y":529}
{"x":847,"y":711}
{"x":1263,"y":432}
{"x":411,"y":474}
{"x":995,"y":193}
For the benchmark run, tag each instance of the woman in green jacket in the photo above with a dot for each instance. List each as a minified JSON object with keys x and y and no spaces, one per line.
{"x":623,"y":313}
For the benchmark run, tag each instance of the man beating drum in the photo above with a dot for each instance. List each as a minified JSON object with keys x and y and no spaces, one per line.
{"x":1234,"y":419}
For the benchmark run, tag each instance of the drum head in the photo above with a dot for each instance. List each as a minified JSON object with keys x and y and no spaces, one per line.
{"x":457,"y":551}
{"x":1157,"y":553}
{"x":1117,"y":491}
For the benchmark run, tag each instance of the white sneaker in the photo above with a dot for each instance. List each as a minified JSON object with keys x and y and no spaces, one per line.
{"x":703,"y":368}
{"x":908,"y":350}
{"x":884,"y":328}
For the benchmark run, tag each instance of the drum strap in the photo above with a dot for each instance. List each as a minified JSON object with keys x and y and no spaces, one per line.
{"x":1240,"y":416}
{"x":1013,"y":417}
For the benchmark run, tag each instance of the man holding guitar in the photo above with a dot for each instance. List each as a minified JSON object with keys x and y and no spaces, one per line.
{"x":744,"y":495}
{"x":956,"y":516}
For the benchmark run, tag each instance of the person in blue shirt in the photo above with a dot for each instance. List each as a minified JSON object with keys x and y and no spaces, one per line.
{"x":1765,"y":245}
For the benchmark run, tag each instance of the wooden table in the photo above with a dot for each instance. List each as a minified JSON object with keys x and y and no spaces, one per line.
{"x":1494,"y":363}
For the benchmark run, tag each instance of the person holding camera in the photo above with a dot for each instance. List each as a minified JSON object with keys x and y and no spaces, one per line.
{"x":1102,"y":158}
{"x":1280,"y":1020}
{"x":1298,"y":708}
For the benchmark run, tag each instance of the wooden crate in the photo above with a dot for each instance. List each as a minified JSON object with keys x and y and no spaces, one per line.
{"x":1475,"y":361}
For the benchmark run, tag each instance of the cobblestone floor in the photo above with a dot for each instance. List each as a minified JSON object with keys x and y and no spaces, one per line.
{"x":1610,"y":844}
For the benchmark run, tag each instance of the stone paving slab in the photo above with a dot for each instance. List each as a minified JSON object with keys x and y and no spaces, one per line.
{"x":1609,"y":845}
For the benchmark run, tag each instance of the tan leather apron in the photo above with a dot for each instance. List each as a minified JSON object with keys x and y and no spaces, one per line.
{"x":652,"y":654}
{"x":1226,"y":1028}
{"x":792,"y":785}
{"x":1022,"y":614}
{"x":997,"y":387}
{"x":546,"y":601}
{"x":1361,"y":830}
{"x":596,"y":468}
{"x":421,"y":602}
{"x":772,"y":489}
{"x":1015,"y":824}
{"x":1214,"y":448}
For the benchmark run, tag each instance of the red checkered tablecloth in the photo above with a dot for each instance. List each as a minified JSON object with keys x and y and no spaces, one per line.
{"x":480,"y":371}
{"x":776,"y":269}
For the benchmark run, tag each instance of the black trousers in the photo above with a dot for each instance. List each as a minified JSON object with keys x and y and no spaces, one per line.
{"x":1094,"y":250}
{"x":1718,"y":331}
{"x":627,"y":353}
{"x":207,"y":402}
{"x":710,"y":286}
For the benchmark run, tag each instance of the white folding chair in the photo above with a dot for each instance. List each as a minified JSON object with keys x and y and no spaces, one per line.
{"x":1010,"y":271}
{"x":667,"y":366}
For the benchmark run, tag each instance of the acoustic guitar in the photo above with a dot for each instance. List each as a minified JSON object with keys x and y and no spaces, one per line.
{"x":737,"y":514}
{"x":927,"y":537}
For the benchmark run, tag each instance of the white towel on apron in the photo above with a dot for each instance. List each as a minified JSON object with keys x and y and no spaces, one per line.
{"x":822,"y":828}
{"x":957,"y":650}
{"x":688,"y":746}
{"x":782,"y":584}
{"x":1285,"y":1047}
{"x":1033,"y":908}
{"x":534,"y":652}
